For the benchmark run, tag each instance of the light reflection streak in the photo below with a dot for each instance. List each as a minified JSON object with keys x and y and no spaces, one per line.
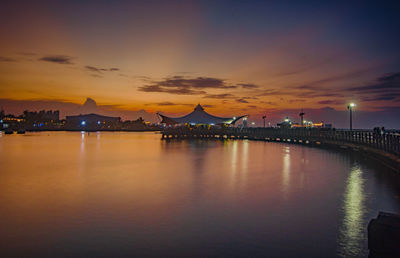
{"x":81,"y":159}
{"x":234,"y":162}
{"x":98,"y":142}
{"x":82,"y":142}
{"x":245,"y":157}
{"x":352,"y":228}
{"x":286,"y":170}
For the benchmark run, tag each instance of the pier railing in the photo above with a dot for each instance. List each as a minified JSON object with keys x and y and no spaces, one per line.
{"x":386,"y":141}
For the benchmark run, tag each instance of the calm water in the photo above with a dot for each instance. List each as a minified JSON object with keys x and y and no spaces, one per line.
{"x":125,"y":194}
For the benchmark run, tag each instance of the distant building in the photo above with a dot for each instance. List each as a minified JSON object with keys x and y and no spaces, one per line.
{"x":92,"y":122}
{"x":285,"y":124}
{"x":305,"y":124}
{"x":199,"y":117}
{"x":42,"y":116}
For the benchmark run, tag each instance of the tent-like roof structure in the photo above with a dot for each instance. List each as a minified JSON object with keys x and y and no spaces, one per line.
{"x":199,"y":116}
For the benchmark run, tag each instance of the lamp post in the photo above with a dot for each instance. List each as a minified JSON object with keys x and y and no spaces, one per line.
{"x":350,"y":108}
{"x":264,"y":120}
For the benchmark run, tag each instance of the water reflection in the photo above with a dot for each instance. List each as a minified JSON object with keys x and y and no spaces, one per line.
{"x":352,"y":228}
{"x":82,"y":142}
{"x":286,"y":170}
{"x":245,"y":157}
{"x":139,"y":195}
{"x":233,"y":162}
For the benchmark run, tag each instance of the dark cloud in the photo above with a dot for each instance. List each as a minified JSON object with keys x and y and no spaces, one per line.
{"x":315,"y":90}
{"x":208,"y":106}
{"x":387,"y":82}
{"x":143,"y":78}
{"x":331,"y":102}
{"x":385,"y":96}
{"x":58,"y":59}
{"x":248,"y":85}
{"x":178,"y":91}
{"x":167,"y":103}
{"x":295,"y":100}
{"x":317,"y":93}
{"x":186,"y":86}
{"x":269,"y":103}
{"x":251,"y":106}
{"x":100,"y":70}
{"x":242,"y":100}
{"x":197,"y":83}
{"x":272,"y":92}
{"x":6,"y":59}
{"x":304,"y":87}
{"x":219,"y":96}
{"x":190,"y":85}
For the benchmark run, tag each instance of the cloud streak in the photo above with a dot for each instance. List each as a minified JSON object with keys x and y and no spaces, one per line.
{"x":58,"y":59}
{"x":190,"y":86}
{"x":100,"y":70}
{"x":6,"y":59}
{"x":168,"y":103}
{"x":386,"y":82}
{"x":219,"y":96}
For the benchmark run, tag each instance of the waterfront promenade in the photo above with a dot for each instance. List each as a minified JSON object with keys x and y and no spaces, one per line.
{"x":383,"y":146}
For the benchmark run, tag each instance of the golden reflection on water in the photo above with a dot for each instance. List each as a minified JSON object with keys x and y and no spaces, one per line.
{"x":286,"y":170}
{"x":133,"y":190}
{"x":352,"y":228}
{"x":234,"y":161}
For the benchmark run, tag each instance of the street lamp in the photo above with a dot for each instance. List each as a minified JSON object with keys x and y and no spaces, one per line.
{"x":350,"y":108}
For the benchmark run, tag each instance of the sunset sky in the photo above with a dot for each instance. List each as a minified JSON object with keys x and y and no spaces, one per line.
{"x":234,"y":57}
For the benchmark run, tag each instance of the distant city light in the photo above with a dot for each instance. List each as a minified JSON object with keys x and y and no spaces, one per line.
{"x":287,"y":119}
{"x":193,"y":123}
{"x":98,"y":122}
{"x":212,"y":124}
{"x":352,"y":105}
{"x":245,"y":118}
{"x":253,"y":123}
{"x":234,"y":117}
{"x":83,"y":122}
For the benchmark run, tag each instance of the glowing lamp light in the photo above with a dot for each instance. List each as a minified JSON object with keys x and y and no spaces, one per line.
{"x":98,"y":122}
{"x":286,"y":119}
{"x":83,"y":123}
{"x":351,"y":105}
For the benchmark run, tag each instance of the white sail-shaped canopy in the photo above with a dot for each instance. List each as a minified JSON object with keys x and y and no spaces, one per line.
{"x":199,"y":116}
